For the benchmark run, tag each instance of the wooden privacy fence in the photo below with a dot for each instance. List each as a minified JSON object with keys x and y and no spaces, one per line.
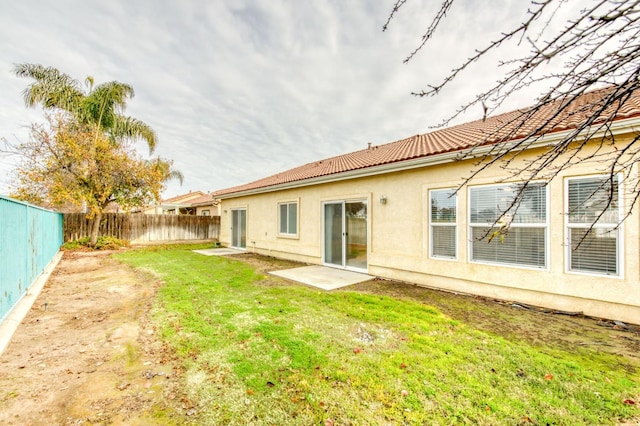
{"x":142,"y":228}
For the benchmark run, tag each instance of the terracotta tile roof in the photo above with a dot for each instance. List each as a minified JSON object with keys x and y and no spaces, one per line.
{"x":203,"y":199}
{"x":500,"y":128}
{"x":185,"y":198}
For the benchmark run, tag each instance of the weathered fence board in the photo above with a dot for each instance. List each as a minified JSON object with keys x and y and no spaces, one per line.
{"x":141,"y":228}
{"x":29,"y":238}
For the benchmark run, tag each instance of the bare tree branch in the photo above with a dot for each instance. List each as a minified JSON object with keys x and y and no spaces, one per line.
{"x":586,"y":69}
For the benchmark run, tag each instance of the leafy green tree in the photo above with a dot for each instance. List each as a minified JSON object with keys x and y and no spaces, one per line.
{"x":86,"y":155}
{"x":69,"y":165}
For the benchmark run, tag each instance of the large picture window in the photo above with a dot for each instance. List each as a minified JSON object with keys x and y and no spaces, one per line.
{"x":442,"y":223}
{"x":492,"y":210}
{"x":593,"y":216}
{"x":288,"y":218}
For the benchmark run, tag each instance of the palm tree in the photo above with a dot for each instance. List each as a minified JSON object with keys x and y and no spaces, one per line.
{"x":98,"y":109}
{"x":99,"y":106}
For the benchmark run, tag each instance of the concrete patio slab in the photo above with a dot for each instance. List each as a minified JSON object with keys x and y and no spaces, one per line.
{"x":222,"y":251}
{"x":323,"y":277}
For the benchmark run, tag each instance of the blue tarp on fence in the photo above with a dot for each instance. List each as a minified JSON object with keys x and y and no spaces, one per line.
{"x":29,"y":238}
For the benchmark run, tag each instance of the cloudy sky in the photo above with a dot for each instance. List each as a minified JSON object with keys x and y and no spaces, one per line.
{"x":239,"y":90}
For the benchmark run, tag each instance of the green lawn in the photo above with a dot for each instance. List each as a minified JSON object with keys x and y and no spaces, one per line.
{"x":256,"y":349}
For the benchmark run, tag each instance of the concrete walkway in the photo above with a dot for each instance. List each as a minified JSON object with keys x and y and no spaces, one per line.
{"x":323,"y":277}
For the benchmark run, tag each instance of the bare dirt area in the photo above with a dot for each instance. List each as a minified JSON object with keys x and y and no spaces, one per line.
{"x":86,"y":354}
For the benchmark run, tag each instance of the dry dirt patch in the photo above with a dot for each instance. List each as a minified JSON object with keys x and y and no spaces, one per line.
{"x":85,"y":353}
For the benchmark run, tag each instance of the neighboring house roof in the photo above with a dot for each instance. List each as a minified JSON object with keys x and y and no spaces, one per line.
{"x":505,"y":127}
{"x":203,"y":200}
{"x":191,"y":199}
{"x":185,"y":198}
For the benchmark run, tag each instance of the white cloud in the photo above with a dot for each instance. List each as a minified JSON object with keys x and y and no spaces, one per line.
{"x":240,"y":90}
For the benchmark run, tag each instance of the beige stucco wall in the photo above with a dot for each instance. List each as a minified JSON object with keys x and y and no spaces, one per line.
{"x":398,"y":241}
{"x":150,"y":210}
{"x":213,"y":210}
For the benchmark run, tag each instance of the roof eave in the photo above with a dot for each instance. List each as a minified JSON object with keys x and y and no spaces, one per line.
{"x":171,"y":205}
{"x":617,"y":127}
{"x":205,"y":203}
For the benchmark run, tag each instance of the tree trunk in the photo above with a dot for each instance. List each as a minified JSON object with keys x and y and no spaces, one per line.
{"x":95,"y":228}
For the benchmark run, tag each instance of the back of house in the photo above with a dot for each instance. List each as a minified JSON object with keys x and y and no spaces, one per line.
{"x":404,"y":211}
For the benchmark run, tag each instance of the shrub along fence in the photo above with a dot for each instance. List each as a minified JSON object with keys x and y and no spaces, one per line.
{"x":29,"y":239}
{"x":143,"y":228}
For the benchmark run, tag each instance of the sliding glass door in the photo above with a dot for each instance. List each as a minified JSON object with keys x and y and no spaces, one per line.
{"x":333,"y":231}
{"x":345,"y":234}
{"x":239,"y":228}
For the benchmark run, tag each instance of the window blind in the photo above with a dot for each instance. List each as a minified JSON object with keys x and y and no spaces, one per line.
{"x":593,"y":216}
{"x":521,"y":246}
{"x":594,"y":251}
{"x":589,"y":197}
{"x":489,"y":203}
{"x":525,"y":242}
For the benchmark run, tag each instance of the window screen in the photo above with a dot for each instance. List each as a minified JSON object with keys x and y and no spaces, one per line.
{"x":442,"y":219}
{"x":288,"y":219}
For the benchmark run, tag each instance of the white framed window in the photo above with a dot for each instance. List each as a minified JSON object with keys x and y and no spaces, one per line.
{"x":443,"y":230}
{"x":288,"y":218}
{"x":492,"y":210}
{"x":206,"y":212}
{"x":593,"y":225}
